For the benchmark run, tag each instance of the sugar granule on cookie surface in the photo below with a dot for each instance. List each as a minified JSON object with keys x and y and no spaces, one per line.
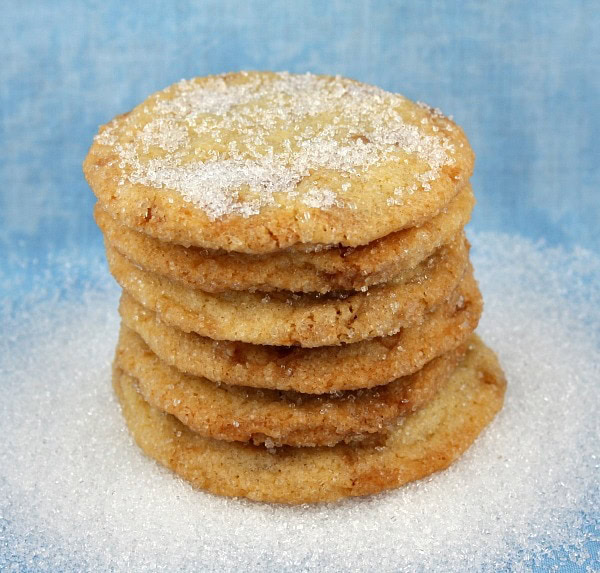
{"x":257,"y":161}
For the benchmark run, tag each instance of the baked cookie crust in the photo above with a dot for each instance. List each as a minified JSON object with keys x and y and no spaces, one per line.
{"x":273,"y":418}
{"x":335,"y":268}
{"x":289,"y":319}
{"x":314,"y":370}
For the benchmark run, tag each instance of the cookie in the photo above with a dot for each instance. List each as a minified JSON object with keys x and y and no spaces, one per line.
{"x":337,"y":268}
{"x":292,"y":319}
{"x":257,"y":162}
{"x":425,"y":442}
{"x":238,"y":413}
{"x":316,"y":370}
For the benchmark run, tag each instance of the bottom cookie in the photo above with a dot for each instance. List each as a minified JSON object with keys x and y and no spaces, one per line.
{"x":423,"y":443}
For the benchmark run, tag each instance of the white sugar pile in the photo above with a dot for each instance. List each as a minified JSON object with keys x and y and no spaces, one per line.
{"x":76,"y":494}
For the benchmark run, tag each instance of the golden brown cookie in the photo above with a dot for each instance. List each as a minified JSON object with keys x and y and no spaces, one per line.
{"x":238,"y":413}
{"x":426,"y":442}
{"x":256,"y":162}
{"x":297,"y":320}
{"x":337,"y":268}
{"x":316,"y":370}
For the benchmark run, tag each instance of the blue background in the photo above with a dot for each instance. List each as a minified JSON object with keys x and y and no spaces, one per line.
{"x":522,"y":78}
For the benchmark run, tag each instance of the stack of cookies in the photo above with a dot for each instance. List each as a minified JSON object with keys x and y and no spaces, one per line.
{"x":298,"y":304}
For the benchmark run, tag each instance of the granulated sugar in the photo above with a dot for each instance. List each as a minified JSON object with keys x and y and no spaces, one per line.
{"x":267,"y":133}
{"x":76,"y":494}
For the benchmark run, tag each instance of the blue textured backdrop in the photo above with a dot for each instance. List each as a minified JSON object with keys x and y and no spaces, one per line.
{"x":522,"y":78}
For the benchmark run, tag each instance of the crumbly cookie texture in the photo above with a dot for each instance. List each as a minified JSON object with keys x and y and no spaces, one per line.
{"x":336,"y":268}
{"x":273,"y":418}
{"x":260,"y":161}
{"x":289,"y":319}
{"x":426,"y":442}
{"x":315,"y":370}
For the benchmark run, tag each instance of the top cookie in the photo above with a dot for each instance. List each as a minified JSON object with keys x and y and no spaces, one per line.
{"x":257,"y":162}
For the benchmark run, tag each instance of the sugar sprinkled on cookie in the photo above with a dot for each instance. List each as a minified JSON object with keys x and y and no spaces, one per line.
{"x":267,"y":133}
{"x":242,"y":145}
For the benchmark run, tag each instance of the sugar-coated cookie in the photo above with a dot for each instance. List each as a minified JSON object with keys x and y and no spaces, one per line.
{"x":324,"y":270}
{"x":256,"y":162}
{"x":290,"y":319}
{"x":427,"y":441}
{"x":312,"y":370}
